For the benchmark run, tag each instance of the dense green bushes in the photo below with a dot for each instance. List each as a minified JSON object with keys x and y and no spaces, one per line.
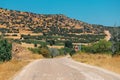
{"x":46,"y":52}
{"x":40,"y":50}
{"x":66,"y":50}
{"x":43,"y":50}
{"x":101,"y":46}
{"x":52,"y":52}
{"x":5,"y":50}
{"x":35,"y":50}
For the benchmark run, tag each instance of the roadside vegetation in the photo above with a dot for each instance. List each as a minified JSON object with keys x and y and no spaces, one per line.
{"x":9,"y":68}
{"x":50,"y":52}
{"x":5,"y":50}
{"x":10,"y":63}
{"x":101,"y":60}
{"x":105,"y":54}
{"x":101,"y":47}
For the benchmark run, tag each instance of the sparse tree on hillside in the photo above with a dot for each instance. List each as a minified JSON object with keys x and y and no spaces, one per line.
{"x":51,"y":42}
{"x":68,"y":44}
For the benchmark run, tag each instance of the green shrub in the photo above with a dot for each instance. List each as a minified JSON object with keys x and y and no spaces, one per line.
{"x":67,"y":50}
{"x":68,"y":44}
{"x":101,"y":46}
{"x":62,"y":51}
{"x":41,"y":50}
{"x":5,"y":50}
{"x":35,"y":50}
{"x":51,"y":42}
{"x":43,"y":45}
{"x":72,"y":52}
{"x":45,"y":52}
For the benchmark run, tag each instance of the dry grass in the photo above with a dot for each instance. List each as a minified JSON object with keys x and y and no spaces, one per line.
{"x":57,"y":47}
{"x":12,"y":37}
{"x":10,"y":68}
{"x":35,"y":56}
{"x":26,"y":45}
{"x":100,"y":60}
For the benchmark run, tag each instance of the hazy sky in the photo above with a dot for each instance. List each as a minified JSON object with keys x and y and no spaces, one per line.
{"x":105,"y":12}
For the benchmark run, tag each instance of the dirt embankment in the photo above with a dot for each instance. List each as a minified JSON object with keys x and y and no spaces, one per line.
{"x":21,"y":52}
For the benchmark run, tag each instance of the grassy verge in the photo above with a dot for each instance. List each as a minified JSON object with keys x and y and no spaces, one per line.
{"x":100,"y":60}
{"x":10,"y":68}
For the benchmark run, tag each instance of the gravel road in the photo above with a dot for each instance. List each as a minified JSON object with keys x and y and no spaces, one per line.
{"x":63,"y":69}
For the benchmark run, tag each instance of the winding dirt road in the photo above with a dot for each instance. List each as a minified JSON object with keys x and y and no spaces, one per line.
{"x":63,"y":69}
{"x":108,"y":35}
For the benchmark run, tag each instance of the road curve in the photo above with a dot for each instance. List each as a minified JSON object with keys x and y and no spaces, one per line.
{"x":63,"y":69}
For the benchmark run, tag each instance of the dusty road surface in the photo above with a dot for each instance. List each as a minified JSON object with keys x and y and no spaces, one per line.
{"x":108,"y":35}
{"x":63,"y":69}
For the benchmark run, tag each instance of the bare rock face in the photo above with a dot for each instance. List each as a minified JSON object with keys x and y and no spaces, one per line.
{"x":19,"y":52}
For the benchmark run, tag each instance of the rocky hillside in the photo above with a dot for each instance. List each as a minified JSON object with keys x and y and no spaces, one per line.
{"x":24,"y":23}
{"x":16,"y":20}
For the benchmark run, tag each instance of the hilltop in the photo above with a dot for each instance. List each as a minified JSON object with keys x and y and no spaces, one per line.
{"x":26,"y":20}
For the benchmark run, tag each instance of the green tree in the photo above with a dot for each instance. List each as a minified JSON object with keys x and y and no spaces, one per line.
{"x":101,"y":46}
{"x":5,"y":50}
{"x":51,"y":42}
{"x":68,"y":44}
{"x":68,"y":48}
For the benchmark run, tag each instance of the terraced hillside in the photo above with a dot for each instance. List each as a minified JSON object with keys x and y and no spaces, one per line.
{"x":25,"y":25}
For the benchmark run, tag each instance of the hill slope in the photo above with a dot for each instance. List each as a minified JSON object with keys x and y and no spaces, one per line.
{"x":24,"y":23}
{"x":25,"y":20}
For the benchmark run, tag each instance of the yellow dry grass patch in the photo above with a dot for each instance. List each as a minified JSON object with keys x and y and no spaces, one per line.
{"x":100,"y":60}
{"x":35,"y":56}
{"x":57,"y":47}
{"x":2,"y":26}
{"x":26,"y":45}
{"x":10,"y":68}
{"x":12,"y":37}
